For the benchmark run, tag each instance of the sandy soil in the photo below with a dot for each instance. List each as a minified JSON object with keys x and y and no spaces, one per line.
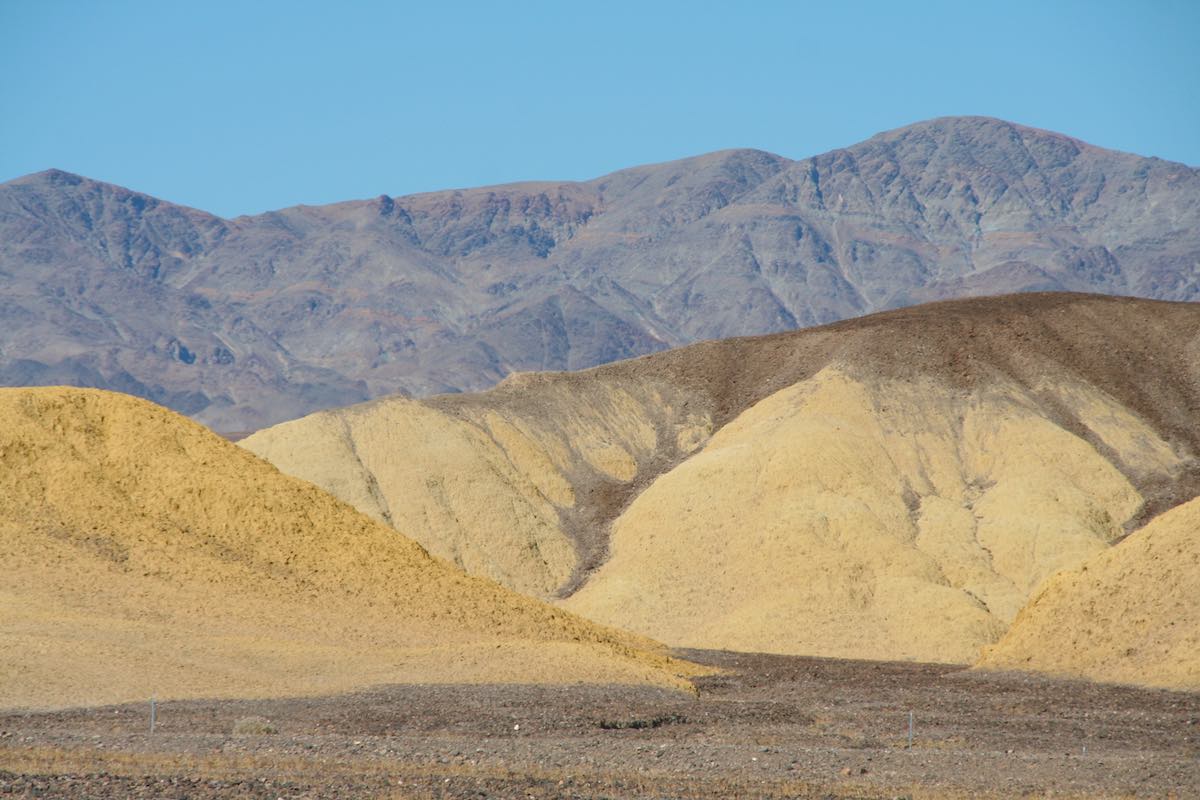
{"x":771,"y":726}
{"x":1130,"y":614}
{"x":142,"y":554}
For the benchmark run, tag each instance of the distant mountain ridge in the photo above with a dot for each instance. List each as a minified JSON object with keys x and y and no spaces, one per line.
{"x":246,"y":322}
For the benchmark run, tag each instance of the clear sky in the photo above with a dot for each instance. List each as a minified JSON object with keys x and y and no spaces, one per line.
{"x":241,"y":107}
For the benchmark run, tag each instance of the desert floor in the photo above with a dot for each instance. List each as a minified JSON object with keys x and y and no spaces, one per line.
{"x":770,"y":726}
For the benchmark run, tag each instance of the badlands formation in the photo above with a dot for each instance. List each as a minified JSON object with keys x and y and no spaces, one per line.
{"x":897,"y":486}
{"x":1128,"y":615}
{"x":146,"y":556}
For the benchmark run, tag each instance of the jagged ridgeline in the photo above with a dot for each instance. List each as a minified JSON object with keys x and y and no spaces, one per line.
{"x":145,"y":556}
{"x":891,"y":487}
{"x":246,"y":322}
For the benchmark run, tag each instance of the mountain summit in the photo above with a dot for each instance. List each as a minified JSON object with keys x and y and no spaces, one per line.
{"x":249,"y":321}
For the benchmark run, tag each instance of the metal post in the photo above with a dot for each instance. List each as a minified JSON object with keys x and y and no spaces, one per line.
{"x":910,"y":729}
{"x":153,"y":714}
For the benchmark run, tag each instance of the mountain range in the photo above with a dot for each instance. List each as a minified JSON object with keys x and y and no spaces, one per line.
{"x":242,"y":323}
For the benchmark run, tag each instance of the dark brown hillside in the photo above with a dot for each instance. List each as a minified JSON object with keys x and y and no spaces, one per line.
{"x":1144,"y":354}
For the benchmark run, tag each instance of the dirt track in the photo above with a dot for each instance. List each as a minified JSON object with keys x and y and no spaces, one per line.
{"x":771,"y":727}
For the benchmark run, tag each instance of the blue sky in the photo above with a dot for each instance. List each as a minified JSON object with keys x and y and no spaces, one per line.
{"x":241,"y":107}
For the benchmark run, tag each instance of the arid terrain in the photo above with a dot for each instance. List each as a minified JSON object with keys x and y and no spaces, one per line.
{"x":1129,"y":614}
{"x":770,"y":726}
{"x":144,"y":553}
{"x":955,"y":512}
{"x":897,"y":486}
{"x":247,"y":322}
{"x":599,"y":401}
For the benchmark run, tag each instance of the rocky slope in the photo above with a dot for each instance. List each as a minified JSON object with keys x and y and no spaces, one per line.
{"x":254,"y":320}
{"x":893,"y":486}
{"x":145,"y":556}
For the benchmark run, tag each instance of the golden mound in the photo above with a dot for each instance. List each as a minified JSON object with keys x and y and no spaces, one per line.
{"x":513,"y":485}
{"x":895,"y":486}
{"x":144,"y":555}
{"x":1129,"y":615}
{"x":888,"y":520}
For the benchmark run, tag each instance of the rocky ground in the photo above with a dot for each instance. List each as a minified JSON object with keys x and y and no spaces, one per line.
{"x":769,"y":726}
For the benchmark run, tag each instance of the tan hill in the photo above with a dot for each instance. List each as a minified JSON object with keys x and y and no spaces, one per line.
{"x":895,"y":486}
{"x":516,"y":484}
{"x":1129,"y":615}
{"x":144,"y":555}
{"x":246,"y":322}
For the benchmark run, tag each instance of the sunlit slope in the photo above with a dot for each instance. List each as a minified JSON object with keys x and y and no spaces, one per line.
{"x":868,"y":519}
{"x":516,"y":484}
{"x":143,"y":555}
{"x":1129,"y":615}
{"x":894,"y":486}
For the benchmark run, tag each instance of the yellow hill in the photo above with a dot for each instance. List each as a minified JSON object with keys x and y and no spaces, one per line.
{"x":895,"y":486}
{"x":143,"y":555}
{"x":1129,"y":615}
{"x":864,"y":520}
{"x":515,"y":485}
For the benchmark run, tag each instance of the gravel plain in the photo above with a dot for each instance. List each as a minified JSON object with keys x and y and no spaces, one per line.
{"x":769,"y":726}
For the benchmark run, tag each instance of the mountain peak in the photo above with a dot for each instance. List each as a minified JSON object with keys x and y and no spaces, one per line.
{"x":52,"y":177}
{"x":992,"y":132}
